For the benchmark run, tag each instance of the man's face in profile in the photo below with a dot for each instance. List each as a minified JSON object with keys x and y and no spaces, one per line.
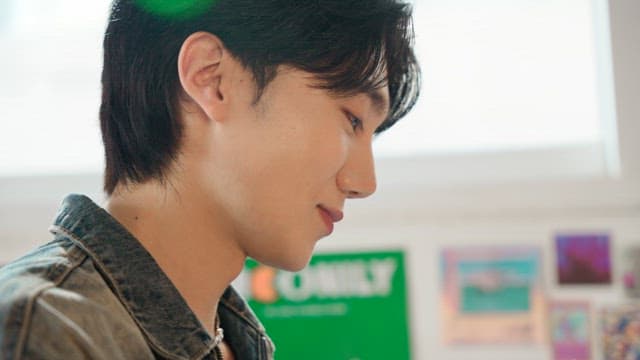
{"x":284,"y":167}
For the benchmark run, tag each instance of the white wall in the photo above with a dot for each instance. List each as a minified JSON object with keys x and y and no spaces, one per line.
{"x":422,"y":218}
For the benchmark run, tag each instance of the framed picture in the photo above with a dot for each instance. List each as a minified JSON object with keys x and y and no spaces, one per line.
{"x":621,"y":332}
{"x":492,"y":295}
{"x":583,"y":259}
{"x":570,"y":330}
{"x":631,"y":271}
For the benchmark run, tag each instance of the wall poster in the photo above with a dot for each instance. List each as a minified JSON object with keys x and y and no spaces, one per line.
{"x":492,"y":295}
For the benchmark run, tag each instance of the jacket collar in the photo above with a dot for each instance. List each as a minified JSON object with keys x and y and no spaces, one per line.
{"x":149,"y":296}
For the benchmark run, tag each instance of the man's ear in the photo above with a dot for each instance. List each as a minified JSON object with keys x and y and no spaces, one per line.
{"x":200,"y":71}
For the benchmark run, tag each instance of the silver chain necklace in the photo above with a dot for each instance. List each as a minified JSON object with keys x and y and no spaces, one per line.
{"x":217,"y":339}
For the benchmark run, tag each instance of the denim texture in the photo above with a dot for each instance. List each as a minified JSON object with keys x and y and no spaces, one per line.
{"x":94,"y":292}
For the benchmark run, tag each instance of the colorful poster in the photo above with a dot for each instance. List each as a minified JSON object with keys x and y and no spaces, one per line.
{"x":583,"y":259}
{"x":341,"y":306}
{"x":631,"y":271}
{"x":621,"y":332}
{"x":492,"y":295}
{"x":570,"y":335}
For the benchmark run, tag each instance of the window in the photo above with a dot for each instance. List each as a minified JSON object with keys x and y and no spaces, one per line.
{"x":50,"y":90}
{"x":513,"y":90}
{"x":509,"y":82}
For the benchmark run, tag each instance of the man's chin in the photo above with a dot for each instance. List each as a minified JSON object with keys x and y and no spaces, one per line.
{"x":295,"y":264}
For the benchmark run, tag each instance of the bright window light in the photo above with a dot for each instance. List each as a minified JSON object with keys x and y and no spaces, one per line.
{"x":498,"y":75}
{"x":50,"y":90}
{"x":501,"y":75}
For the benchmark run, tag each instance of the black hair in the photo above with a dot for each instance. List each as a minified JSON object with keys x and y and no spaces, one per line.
{"x":350,"y":46}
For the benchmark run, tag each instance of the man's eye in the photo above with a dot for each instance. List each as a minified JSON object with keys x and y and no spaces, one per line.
{"x":355,"y":122}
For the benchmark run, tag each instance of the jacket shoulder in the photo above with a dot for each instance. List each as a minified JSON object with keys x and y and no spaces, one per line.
{"x":57,"y":290}
{"x":83,"y":328}
{"x":22,"y":281}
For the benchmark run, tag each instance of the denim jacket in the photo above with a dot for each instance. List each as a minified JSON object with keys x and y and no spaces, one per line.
{"x":95,"y":293}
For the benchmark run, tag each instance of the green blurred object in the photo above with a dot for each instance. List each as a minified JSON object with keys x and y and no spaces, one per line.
{"x":342,"y":306}
{"x":176,"y":9}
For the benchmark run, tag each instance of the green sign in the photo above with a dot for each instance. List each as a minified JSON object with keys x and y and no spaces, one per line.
{"x":349,"y":306}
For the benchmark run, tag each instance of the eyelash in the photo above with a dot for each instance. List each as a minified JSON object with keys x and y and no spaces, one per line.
{"x":356,"y":123}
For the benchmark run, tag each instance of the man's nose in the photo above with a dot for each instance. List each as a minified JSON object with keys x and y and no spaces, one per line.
{"x":357,"y":178}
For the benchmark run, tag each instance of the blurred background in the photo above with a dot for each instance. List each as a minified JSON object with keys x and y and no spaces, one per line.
{"x":507,"y":219}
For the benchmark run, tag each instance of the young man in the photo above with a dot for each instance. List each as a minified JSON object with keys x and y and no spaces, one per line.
{"x":232,"y":129}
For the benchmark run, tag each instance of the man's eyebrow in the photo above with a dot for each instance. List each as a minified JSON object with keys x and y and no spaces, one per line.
{"x":379,"y":101}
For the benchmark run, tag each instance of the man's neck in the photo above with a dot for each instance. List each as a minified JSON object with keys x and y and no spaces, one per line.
{"x":192,"y":245}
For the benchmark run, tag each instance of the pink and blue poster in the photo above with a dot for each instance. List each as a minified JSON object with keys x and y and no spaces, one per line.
{"x":492,"y":295}
{"x":570,"y":335}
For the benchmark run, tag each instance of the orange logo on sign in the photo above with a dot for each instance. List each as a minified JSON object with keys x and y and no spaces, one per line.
{"x":262,"y":279}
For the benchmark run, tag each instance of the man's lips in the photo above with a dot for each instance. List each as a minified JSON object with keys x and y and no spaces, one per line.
{"x":329,"y":216}
{"x":335,"y":214}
